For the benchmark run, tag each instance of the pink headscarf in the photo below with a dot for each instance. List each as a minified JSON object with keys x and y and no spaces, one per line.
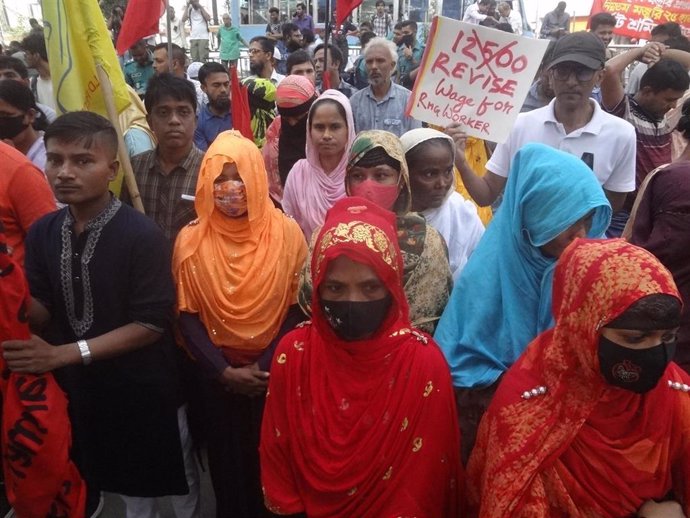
{"x":309,"y":191}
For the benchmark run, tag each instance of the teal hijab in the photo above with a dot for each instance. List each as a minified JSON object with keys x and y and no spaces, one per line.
{"x":502,"y":299}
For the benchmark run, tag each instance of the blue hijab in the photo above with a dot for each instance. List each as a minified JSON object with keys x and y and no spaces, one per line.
{"x":502,"y":299}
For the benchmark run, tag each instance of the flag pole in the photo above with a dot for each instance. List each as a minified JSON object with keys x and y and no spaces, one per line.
{"x":122,"y":155}
{"x":168,"y":23}
{"x":326,"y":50}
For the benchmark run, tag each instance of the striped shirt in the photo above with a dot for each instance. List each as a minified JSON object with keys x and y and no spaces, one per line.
{"x":161,"y":193}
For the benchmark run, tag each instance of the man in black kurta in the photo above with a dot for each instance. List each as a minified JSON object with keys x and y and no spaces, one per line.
{"x":99,"y":274}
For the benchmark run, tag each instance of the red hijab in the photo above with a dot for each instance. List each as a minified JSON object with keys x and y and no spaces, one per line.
{"x":40,"y":478}
{"x":583,"y":448}
{"x":364,"y":428}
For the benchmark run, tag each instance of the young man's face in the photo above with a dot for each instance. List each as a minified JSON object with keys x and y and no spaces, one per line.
{"x":11,"y":73}
{"x":257,"y":57}
{"x":217,"y":88}
{"x":305,"y":69}
{"x":604,"y":33}
{"x":79,"y":174}
{"x":227,"y":21}
{"x":380,"y":8}
{"x":273,"y":16}
{"x":160,"y":61}
{"x":299,"y":11}
{"x":173,"y":122}
{"x":658,"y":103}
{"x":140,"y":54}
{"x":573,"y":84}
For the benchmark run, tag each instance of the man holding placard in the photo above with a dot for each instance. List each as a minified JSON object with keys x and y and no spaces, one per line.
{"x":571,"y":122}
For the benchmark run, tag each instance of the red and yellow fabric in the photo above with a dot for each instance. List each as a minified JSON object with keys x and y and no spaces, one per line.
{"x":242,"y":271}
{"x":40,"y":478}
{"x":584,"y":448}
{"x":365,"y":428}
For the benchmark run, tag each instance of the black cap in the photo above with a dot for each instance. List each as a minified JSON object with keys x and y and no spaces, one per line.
{"x":580,"y":47}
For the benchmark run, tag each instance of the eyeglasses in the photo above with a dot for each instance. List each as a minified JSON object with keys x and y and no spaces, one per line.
{"x":582,"y":73}
{"x":253,"y":51}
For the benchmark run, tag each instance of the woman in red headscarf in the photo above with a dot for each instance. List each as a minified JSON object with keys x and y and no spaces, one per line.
{"x":360,"y":419}
{"x":594,"y":419}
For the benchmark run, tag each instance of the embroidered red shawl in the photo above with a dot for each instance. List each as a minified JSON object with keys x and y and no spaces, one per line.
{"x":365,"y":428}
{"x":584,"y":448}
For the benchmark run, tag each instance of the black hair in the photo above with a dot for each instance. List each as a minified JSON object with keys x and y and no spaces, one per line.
{"x":670,"y":29}
{"x":82,"y":126}
{"x":378,"y":156}
{"x":304,"y":7}
{"x":321,"y":102}
{"x":208,"y":68}
{"x":36,"y":44}
{"x":267,"y":44}
{"x":409,"y":23}
{"x":366,"y":37}
{"x":335,"y":54}
{"x":657,"y":311}
{"x":21,"y":97}
{"x":505,"y":27}
{"x":684,"y":121}
{"x":141,"y":43}
{"x":678,"y":43}
{"x":380,"y":2}
{"x":487,"y":2}
{"x":288,"y":29}
{"x":601,"y":19}
{"x":297,"y":58}
{"x":274,"y":10}
{"x":168,"y":86}
{"x":10,"y":63}
{"x":398,"y":26}
{"x":178,"y":53}
{"x":665,"y":74}
{"x":308,"y":37}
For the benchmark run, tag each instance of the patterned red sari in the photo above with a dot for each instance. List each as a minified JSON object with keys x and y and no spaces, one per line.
{"x":583,"y":448}
{"x":41,"y":481}
{"x":365,"y":428}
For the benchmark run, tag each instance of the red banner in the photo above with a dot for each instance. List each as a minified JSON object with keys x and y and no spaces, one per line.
{"x":637,"y":19}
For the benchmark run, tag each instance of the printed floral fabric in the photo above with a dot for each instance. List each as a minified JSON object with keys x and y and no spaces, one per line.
{"x":557,"y":440}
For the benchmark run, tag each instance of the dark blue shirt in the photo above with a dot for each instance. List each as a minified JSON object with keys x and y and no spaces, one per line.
{"x":208,"y":126}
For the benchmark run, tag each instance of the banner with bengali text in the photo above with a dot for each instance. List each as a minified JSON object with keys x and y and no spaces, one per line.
{"x":637,"y":19}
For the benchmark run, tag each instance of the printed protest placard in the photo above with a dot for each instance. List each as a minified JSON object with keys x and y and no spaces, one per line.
{"x":475,"y":76}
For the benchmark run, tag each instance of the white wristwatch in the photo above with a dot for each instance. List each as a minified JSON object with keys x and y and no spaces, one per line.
{"x":84,"y":351}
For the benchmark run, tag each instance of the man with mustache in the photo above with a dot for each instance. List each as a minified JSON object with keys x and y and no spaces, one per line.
{"x":382,"y":104}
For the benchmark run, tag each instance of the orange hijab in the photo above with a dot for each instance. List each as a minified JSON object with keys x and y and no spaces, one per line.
{"x":239,"y":274}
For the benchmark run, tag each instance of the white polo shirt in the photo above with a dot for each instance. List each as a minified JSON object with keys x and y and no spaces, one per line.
{"x":606,"y":142}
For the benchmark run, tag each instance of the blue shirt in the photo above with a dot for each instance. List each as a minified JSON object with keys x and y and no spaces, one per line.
{"x":387,"y":114}
{"x":208,"y":126}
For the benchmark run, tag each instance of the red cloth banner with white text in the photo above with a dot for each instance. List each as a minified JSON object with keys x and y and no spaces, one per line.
{"x":637,"y":19}
{"x":475,"y":76}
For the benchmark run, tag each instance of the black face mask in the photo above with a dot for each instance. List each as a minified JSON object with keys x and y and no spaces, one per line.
{"x":355,"y":320}
{"x":10,"y":127}
{"x":637,"y":370}
{"x":407,"y":40}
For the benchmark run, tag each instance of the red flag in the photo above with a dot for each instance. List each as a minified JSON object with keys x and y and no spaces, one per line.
{"x":241,"y":115}
{"x":40,"y":478}
{"x":343,"y":8}
{"x":141,"y":20}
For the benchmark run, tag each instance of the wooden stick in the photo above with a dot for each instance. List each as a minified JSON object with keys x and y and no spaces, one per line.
{"x":122,"y":154}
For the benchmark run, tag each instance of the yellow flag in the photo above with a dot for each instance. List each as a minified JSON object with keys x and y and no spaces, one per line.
{"x":77,"y":39}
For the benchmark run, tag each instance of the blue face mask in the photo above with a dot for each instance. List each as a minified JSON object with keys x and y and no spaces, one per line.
{"x":353,"y":321}
{"x":637,"y":370}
